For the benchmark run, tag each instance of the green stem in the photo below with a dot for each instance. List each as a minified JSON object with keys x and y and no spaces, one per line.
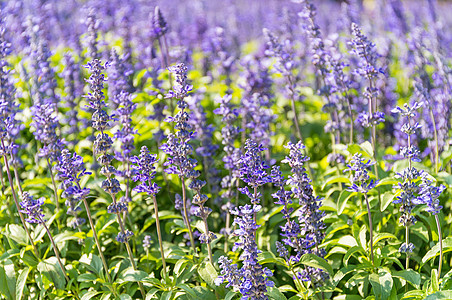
{"x":435,"y":133}
{"x":55,"y":189}
{"x":2,"y":181}
{"x":55,"y":249}
{"x":16,"y":201}
{"x":226,"y":234}
{"x":159,"y":234}
{"x":370,"y":229}
{"x":187,"y":221}
{"x":440,"y":238}
{"x":407,"y":241}
{"x":129,"y":251}
{"x":96,"y":239}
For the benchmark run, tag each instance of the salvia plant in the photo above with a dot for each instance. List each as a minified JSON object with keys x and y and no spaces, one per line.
{"x":196,"y":150}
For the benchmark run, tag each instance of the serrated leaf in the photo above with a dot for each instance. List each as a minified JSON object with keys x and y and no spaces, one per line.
{"x":312,"y":260}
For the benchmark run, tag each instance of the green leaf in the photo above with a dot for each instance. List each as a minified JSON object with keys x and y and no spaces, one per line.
{"x":275,"y":294}
{"x":208,"y":274}
{"x":130,"y":274}
{"x":335,"y":179}
{"x":434,"y":281}
{"x":65,"y":236}
{"x":106,"y":296}
{"x":381,"y":283}
{"x":447,"y":246}
{"x":16,"y":233}
{"x":92,"y":262}
{"x":188,"y":290}
{"x":50,"y":269}
{"x":230,"y":295}
{"x":388,"y":181}
{"x":350,"y":252}
{"x":87,"y":277}
{"x":342,"y":201}
{"x":386,"y":200}
{"x":204,"y":293}
{"x":8,"y":279}
{"x":409,"y":275}
{"x":312,"y":260}
{"x":440,"y":295}
{"x":125,"y":297}
{"x":363,"y":148}
{"x":381,"y":236}
{"x":20,"y":284}
{"x":367,"y":147}
{"x":415,"y":293}
{"x":166,"y":295}
{"x":88,"y":295}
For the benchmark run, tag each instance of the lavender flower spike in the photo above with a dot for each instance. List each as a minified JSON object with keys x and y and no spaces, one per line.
{"x":252,"y":279}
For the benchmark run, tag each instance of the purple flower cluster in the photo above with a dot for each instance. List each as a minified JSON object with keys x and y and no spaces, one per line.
{"x":9,"y":126}
{"x":253,"y":168}
{"x":309,"y":216}
{"x":73,"y":88}
{"x":144,"y":165}
{"x":45,"y":122}
{"x":255,"y":109}
{"x":410,"y":190}
{"x":207,"y":148}
{"x":365,"y":50}
{"x":252,"y":279}
{"x":32,"y":208}
{"x":177,"y":146}
{"x":126,"y":136}
{"x":360,"y":174}
{"x":70,"y":170}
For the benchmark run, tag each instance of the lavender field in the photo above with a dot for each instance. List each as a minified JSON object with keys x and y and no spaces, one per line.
{"x":225,"y":149}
